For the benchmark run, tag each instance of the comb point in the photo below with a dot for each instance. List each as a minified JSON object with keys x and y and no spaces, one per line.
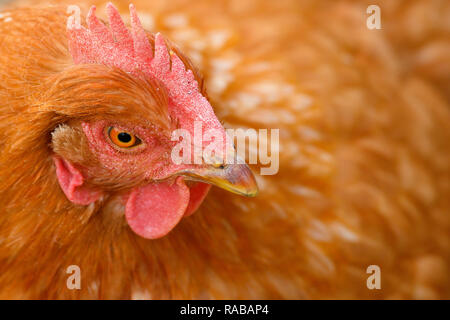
{"x":161,"y":60}
{"x":91,"y":12}
{"x":142,"y":47}
{"x":118,"y":29}
{"x":95,"y":25}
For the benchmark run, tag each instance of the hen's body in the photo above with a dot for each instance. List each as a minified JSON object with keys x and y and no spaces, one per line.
{"x":364,"y":159}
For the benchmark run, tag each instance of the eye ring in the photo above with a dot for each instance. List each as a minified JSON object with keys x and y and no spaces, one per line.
{"x":122,"y":138}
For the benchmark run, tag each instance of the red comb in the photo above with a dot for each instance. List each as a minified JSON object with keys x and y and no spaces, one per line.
{"x":131,"y":51}
{"x":117,"y":46}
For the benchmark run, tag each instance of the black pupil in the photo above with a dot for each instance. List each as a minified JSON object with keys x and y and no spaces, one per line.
{"x":124,"y":137}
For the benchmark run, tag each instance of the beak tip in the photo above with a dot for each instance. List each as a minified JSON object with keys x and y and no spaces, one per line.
{"x":248,"y":182}
{"x":252,"y":193}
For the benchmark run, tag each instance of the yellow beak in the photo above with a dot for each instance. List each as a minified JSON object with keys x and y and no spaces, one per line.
{"x":236,"y":178}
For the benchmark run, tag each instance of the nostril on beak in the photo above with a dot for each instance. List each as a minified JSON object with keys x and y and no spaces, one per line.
{"x":218,"y":165}
{"x":215,"y":161}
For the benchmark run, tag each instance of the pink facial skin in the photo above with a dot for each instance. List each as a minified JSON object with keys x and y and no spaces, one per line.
{"x":72,"y":183}
{"x":151,"y":210}
{"x":150,"y":157}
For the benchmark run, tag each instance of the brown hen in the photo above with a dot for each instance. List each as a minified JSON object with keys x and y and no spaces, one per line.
{"x":364,"y":121}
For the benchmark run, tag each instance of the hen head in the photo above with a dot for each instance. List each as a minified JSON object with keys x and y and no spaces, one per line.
{"x":136,"y":91}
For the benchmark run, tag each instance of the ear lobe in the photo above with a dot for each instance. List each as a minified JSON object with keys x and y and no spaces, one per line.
{"x":72,"y":183}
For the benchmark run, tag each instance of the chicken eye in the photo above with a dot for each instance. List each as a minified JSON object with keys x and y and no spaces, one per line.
{"x":123,"y":139}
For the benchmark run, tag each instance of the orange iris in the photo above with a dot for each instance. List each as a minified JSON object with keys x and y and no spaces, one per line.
{"x":122,"y":139}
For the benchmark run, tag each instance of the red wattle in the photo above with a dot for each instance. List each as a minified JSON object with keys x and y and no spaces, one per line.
{"x":198,"y":194}
{"x":154,"y":210}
